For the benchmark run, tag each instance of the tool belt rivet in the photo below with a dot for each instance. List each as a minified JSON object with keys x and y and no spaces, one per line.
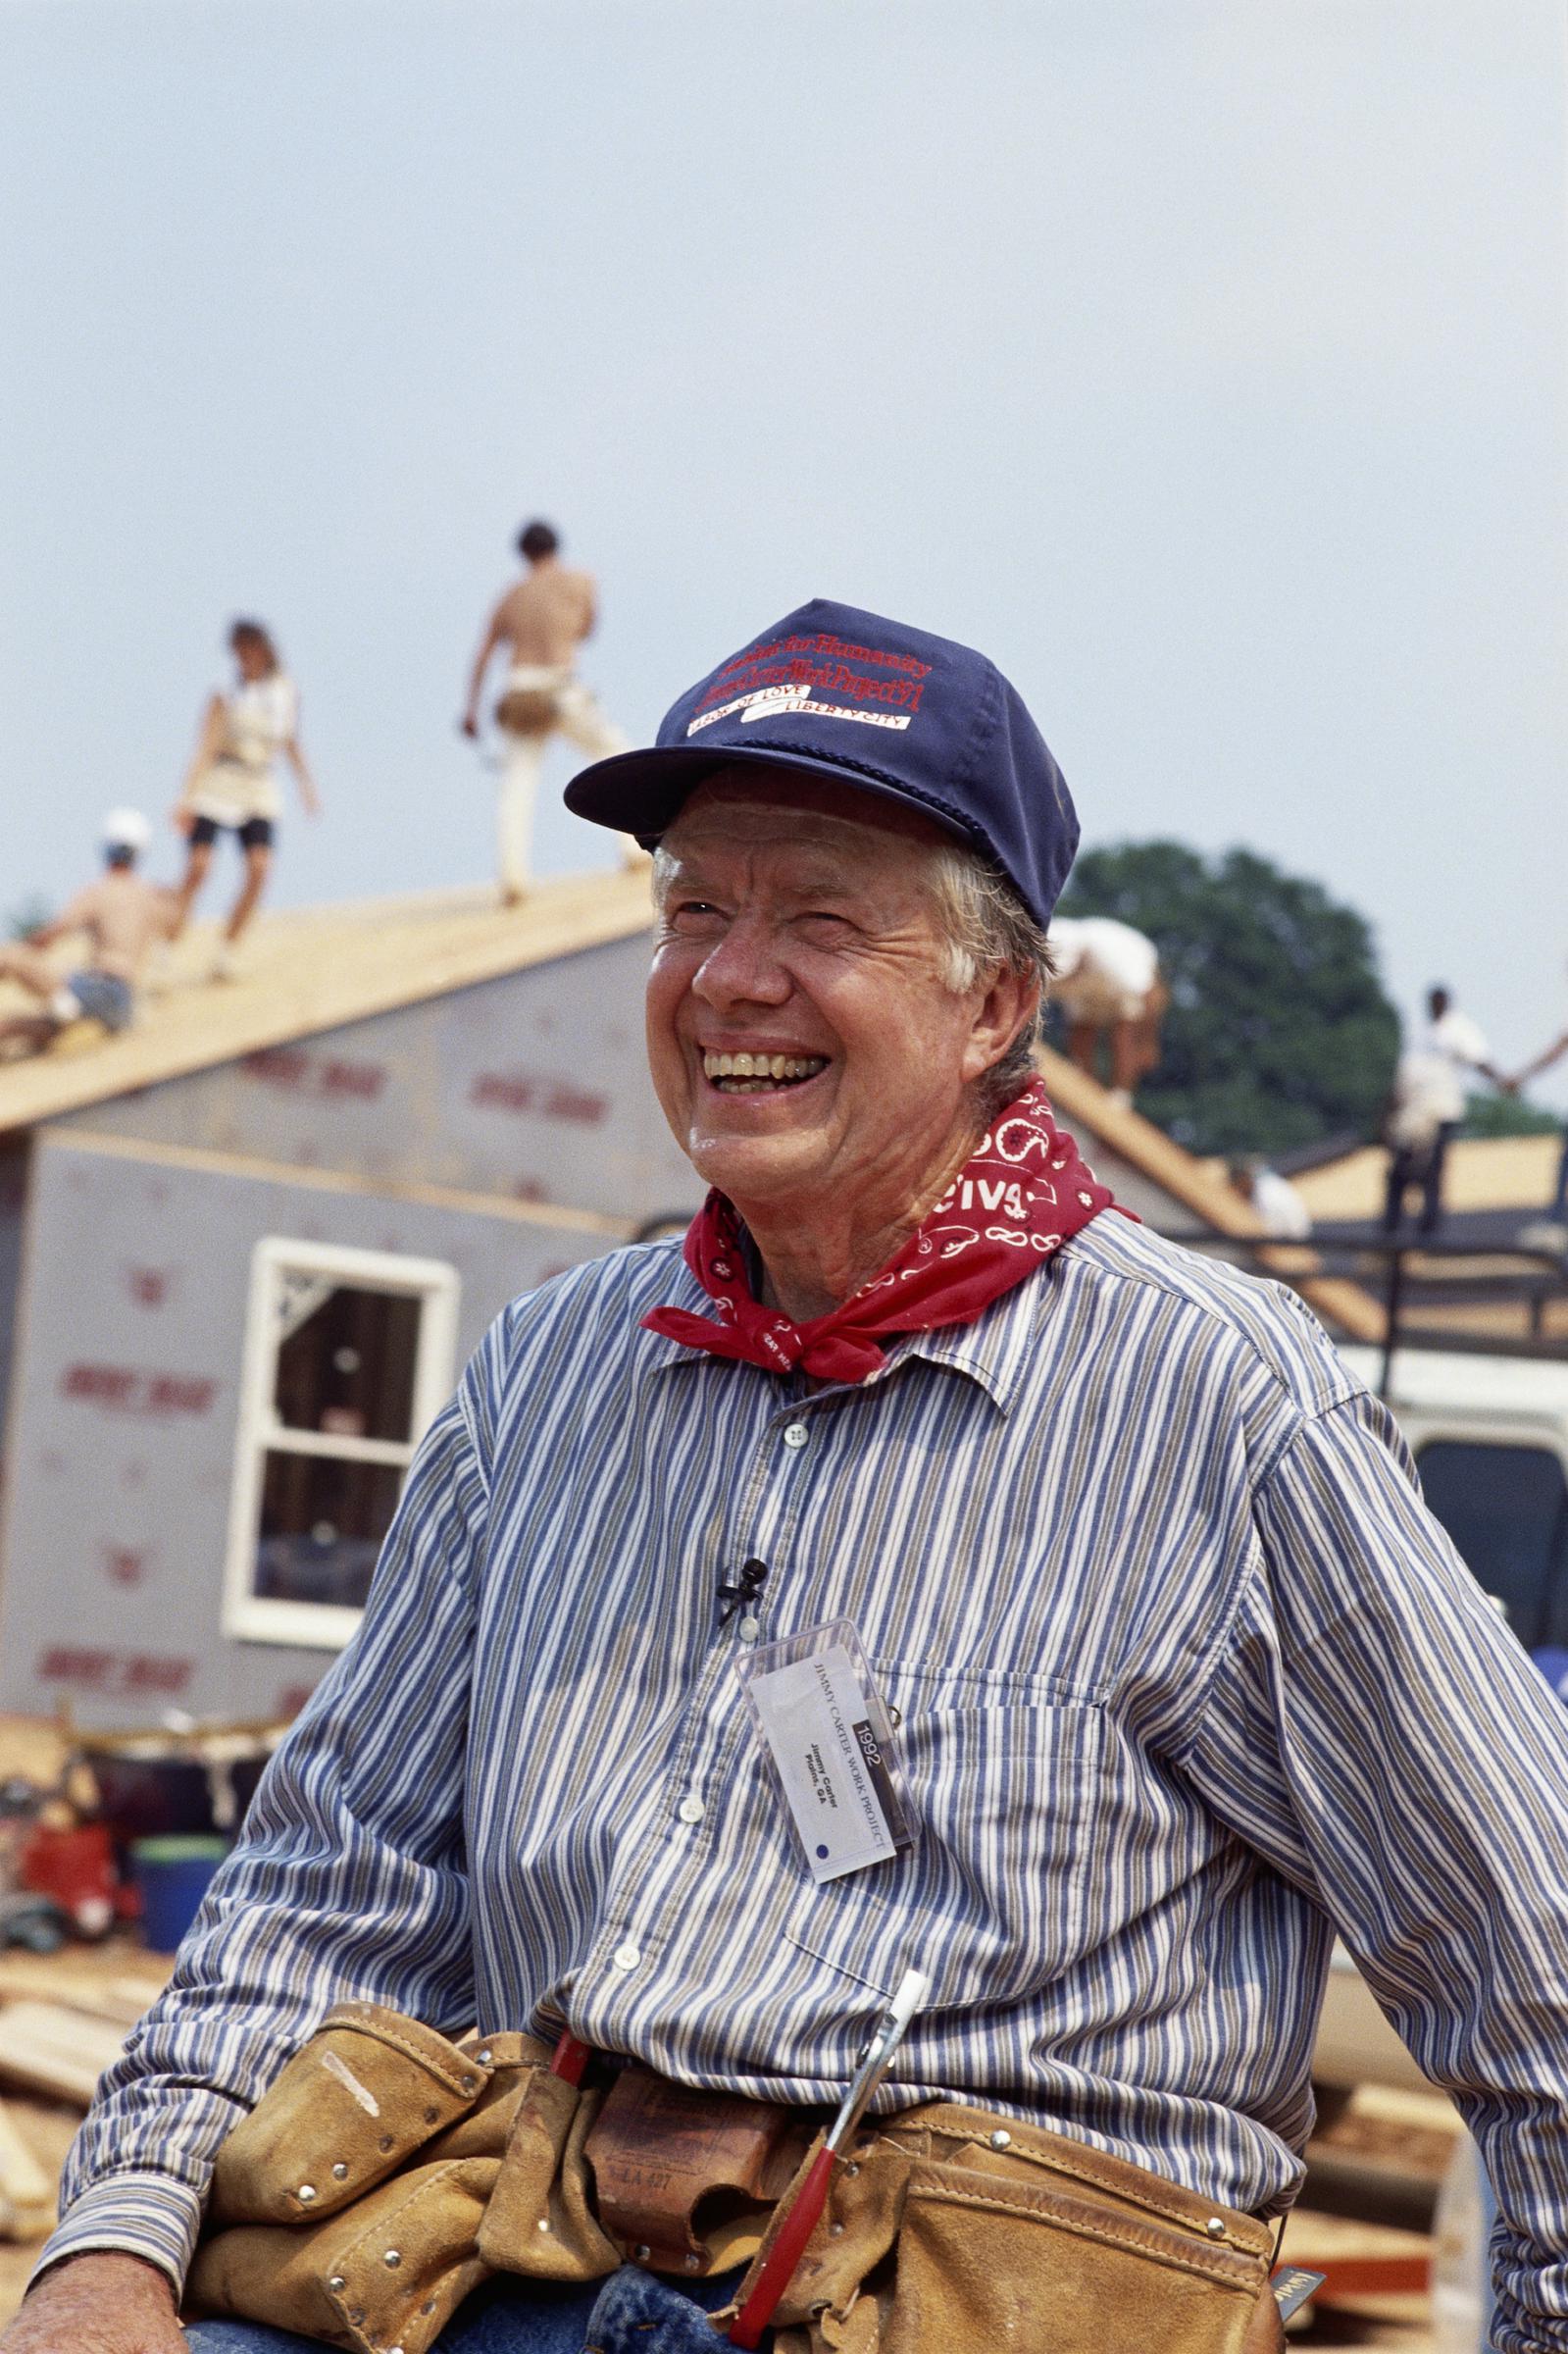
{"x":643,"y":2252}
{"x":339,"y":2171}
{"x":305,"y":2193}
{"x":1001,"y":2140}
{"x":1215,"y":2226}
{"x":392,"y":2259}
{"x":337,"y":2283}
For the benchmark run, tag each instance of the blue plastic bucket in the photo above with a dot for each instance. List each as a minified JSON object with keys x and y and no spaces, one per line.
{"x":170,"y":1878}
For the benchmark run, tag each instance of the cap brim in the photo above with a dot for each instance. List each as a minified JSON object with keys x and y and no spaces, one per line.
{"x":642,"y":793}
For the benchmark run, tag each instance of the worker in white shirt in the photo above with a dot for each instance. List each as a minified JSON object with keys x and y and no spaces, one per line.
{"x":1431,"y":1084}
{"x":232,"y":784}
{"x":1108,"y":986}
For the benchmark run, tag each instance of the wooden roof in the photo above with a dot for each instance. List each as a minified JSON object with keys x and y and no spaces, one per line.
{"x":1200,"y":1187}
{"x":1490,"y":1172}
{"x":307,"y":969}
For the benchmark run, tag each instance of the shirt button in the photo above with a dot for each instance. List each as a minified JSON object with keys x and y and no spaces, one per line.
{"x":690,"y":1810}
{"x":750,"y":1629}
{"x":796,"y":1434}
{"x":626,"y":1957}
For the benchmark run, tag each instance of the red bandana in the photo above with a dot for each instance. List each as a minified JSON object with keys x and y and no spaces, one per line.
{"x":1023,"y":1193}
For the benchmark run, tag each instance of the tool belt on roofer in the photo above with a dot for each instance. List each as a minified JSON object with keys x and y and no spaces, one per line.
{"x":387,"y":2172}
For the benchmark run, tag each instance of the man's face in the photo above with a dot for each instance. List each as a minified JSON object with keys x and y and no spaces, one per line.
{"x":802,"y":1040}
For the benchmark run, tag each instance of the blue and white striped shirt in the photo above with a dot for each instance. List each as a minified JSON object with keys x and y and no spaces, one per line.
{"x":1184,"y":1670}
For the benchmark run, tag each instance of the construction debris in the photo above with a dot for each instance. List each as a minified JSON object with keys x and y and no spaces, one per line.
{"x":26,"y":2193}
{"x":46,"y":2048}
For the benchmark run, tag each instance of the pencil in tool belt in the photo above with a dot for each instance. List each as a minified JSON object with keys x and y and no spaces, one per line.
{"x":800,"y":2218}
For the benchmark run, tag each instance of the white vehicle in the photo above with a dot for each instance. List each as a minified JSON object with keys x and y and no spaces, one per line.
{"x":1490,"y":1435}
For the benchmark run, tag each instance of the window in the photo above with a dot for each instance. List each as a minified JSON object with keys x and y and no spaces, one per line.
{"x":348,"y":1356}
{"x":1506,"y":1509}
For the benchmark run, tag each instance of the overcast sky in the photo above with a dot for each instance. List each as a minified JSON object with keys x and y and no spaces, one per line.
{"x":1204,"y":364}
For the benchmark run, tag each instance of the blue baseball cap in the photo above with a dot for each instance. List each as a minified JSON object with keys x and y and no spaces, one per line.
{"x":836,"y":692}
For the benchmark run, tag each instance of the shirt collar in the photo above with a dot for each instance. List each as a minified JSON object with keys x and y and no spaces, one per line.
{"x":995,"y":1351}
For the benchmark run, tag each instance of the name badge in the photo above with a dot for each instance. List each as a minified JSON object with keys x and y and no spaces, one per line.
{"x":828,"y":1740}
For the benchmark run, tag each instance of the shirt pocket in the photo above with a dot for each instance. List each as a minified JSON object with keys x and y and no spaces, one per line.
{"x":1005,"y":1779}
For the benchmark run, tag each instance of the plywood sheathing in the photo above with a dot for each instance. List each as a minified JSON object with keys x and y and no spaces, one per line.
{"x":1480,"y":1172}
{"x":305,"y":970}
{"x":1086,"y":1106}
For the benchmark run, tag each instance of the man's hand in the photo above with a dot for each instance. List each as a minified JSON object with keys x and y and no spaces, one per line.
{"x":100,"y":2303}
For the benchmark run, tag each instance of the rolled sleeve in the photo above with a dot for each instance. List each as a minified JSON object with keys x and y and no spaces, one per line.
{"x":350,"y":1880}
{"x":1379,"y":1736}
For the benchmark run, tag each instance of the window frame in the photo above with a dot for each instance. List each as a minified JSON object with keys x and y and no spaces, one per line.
{"x":248,"y":1616}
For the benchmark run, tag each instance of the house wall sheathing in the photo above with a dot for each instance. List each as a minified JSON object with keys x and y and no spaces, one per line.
{"x":533,"y":1086}
{"x":123,"y":1439}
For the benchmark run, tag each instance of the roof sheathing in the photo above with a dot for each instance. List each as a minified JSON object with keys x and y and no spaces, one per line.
{"x":313,"y":969}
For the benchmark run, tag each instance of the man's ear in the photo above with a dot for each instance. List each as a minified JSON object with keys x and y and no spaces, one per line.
{"x":1010,"y":1004}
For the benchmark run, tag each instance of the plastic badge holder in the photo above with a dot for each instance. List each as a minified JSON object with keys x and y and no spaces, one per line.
{"x":828,"y":1741}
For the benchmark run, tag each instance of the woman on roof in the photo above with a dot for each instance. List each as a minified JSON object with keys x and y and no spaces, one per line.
{"x":232,"y":779}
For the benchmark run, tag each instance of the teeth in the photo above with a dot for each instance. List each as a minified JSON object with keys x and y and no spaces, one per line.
{"x":764,"y":1070}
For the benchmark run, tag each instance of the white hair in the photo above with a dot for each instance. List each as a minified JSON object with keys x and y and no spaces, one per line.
{"x":987,"y":929}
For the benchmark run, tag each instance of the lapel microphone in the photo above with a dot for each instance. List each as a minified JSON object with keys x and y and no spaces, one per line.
{"x":753,"y":1576}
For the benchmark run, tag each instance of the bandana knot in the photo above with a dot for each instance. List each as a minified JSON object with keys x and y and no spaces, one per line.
{"x":1023,"y":1193}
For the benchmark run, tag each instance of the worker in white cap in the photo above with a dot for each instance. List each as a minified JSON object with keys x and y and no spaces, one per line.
{"x":122,"y":917}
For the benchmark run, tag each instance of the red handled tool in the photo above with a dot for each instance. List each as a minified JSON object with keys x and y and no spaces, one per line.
{"x":570,"y":2058}
{"x":800,"y":2220}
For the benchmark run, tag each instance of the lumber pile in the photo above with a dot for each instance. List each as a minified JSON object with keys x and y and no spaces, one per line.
{"x":63,"y":2020}
{"x":26,"y":2193}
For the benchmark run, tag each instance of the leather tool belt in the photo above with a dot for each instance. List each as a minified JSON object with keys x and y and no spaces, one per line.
{"x":687,"y":2181}
{"x":387,"y":2172}
{"x":527,"y":710}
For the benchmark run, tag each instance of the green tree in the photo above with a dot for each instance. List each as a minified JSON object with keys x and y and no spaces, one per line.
{"x":1279,"y":1031}
{"x":1508,"y":1116}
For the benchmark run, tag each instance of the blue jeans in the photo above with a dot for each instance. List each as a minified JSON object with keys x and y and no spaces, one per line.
{"x":630,"y":2312}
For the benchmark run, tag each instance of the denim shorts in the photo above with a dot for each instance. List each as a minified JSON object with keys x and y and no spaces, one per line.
{"x":103,"y":997}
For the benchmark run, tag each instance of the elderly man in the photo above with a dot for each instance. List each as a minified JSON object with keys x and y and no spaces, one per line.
{"x":927,"y":1565}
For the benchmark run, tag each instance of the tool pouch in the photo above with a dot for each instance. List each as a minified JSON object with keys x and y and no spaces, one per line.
{"x":387,"y":2172}
{"x":933,"y":2236}
{"x":686,"y":2179}
{"x":527,"y":711}
{"x":429,"y":2165}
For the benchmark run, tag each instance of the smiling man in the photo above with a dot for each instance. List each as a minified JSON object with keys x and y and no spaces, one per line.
{"x":922,"y":1566}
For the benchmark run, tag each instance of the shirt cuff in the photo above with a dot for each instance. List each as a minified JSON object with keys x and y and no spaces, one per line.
{"x":152,"y":2216}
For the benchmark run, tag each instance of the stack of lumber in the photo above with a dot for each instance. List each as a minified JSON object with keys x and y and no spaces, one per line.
{"x":63,"y":2020}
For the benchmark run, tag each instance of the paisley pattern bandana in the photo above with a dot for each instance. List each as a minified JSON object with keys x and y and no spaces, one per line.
{"x":1021,"y":1194}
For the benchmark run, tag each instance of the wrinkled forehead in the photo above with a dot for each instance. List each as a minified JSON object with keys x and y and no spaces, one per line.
{"x":751,"y":808}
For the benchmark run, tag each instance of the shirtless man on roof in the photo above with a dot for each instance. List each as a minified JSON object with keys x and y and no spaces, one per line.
{"x":540,"y":621}
{"x":122,"y":918}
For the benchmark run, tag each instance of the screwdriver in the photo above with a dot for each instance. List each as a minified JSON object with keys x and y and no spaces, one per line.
{"x":806,"y":2208}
